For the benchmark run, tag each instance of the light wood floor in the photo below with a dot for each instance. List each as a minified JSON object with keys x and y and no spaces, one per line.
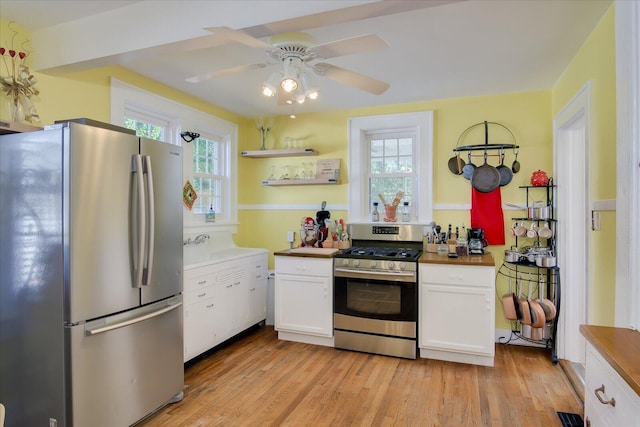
{"x":261,"y":381}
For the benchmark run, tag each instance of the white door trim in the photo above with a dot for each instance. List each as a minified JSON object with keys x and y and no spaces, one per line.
{"x":571,"y":135}
{"x":628,"y":164}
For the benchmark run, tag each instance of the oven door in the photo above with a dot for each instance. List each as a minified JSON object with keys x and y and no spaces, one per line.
{"x":372,"y":297}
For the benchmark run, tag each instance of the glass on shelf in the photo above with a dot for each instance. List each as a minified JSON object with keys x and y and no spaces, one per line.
{"x":272,"y":175}
{"x":285,"y":172}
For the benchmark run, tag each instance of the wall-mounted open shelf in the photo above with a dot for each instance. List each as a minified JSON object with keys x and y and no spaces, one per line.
{"x":290,"y":152}
{"x":14,"y":127}
{"x":278,"y":182}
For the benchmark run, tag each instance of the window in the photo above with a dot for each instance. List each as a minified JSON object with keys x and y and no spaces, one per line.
{"x":146,"y":130}
{"x":208,"y":162}
{"x":389,"y":153}
{"x":391,"y":157}
{"x":208,"y":174}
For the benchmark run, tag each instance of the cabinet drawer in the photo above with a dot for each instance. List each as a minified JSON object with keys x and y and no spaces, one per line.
{"x":303,"y":266}
{"x":627,"y":403}
{"x":197,"y":282}
{"x":458,"y":275}
{"x":196,"y":295}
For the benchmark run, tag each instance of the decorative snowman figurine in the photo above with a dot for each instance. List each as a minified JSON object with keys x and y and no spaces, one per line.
{"x":308,"y":232}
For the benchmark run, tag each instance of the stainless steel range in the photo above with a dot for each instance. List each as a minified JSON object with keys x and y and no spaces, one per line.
{"x":376,"y":290}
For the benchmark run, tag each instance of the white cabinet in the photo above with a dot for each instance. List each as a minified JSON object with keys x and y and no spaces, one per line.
{"x":257,"y":289}
{"x":199,"y":313}
{"x":304,"y":299}
{"x":223,"y":299}
{"x":618,"y":405}
{"x":457,"y":313}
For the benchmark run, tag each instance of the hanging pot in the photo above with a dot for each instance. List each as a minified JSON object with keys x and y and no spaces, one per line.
{"x":468,"y":169}
{"x":506,"y":175}
{"x":515,"y":167}
{"x":456,"y":164}
{"x":485,"y":178}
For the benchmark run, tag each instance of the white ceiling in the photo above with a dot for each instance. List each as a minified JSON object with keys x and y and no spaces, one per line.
{"x":437,"y":49}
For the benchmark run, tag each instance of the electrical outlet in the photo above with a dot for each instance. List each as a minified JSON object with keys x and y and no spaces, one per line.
{"x":291,"y":236}
{"x":595,"y":220}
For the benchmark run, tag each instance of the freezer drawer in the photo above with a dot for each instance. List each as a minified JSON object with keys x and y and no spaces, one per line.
{"x":118,"y":376}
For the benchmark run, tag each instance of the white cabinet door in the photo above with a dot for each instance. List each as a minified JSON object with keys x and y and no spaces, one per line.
{"x":304,"y":304}
{"x":456,"y":315}
{"x":257,"y":290}
{"x":457,"y":318}
{"x":199,"y":327}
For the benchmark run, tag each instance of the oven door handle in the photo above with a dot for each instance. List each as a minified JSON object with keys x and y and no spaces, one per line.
{"x":365,"y":274}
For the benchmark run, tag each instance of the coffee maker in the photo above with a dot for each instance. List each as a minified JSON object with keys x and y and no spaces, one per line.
{"x":475,"y":237}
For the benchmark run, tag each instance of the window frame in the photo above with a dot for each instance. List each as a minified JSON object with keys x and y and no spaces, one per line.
{"x":421,"y":124}
{"x":126,"y":98}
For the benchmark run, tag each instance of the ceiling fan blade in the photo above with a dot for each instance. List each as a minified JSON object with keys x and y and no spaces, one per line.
{"x":239,"y":36}
{"x":226,"y":72}
{"x":359,"y":44}
{"x":351,"y":78}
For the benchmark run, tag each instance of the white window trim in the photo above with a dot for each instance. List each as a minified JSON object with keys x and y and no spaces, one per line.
{"x":422,"y":123}
{"x":182,"y":117}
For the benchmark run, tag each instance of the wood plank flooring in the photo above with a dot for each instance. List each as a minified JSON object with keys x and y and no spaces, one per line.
{"x":258,"y":380}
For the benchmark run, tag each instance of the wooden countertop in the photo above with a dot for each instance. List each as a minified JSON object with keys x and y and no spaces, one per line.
{"x":620,"y":347}
{"x":308,"y":252}
{"x":483,"y":260}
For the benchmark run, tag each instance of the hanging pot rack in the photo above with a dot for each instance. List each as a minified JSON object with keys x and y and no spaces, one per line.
{"x":486,"y":146}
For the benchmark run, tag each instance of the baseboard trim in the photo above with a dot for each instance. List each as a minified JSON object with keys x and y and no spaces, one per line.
{"x":574,"y":377}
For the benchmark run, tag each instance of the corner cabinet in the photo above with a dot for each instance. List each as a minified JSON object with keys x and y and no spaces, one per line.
{"x":303,"y":299}
{"x":531,"y":282}
{"x":457,"y":313}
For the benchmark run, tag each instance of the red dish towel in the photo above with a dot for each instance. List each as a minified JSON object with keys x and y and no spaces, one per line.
{"x":486,"y":213}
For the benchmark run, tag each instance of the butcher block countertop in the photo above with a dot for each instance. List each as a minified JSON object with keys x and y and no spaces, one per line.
{"x":482,"y":260}
{"x":309,"y":252}
{"x":620,"y":347}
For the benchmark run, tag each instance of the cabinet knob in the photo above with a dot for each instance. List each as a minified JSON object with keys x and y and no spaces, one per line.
{"x":599,"y":390}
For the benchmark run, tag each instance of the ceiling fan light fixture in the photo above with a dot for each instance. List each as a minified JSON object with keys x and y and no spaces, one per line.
{"x":312,"y":94}
{"x":289,"y":80}
{"x":269,"y":88}
{"x":289,"y":84}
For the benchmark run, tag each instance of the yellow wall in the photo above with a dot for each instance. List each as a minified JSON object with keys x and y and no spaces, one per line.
{"x":528,"y":115}
{"x":595,"y":63}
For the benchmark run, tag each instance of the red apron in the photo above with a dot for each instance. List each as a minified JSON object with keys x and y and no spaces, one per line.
{"x":486,"y":213}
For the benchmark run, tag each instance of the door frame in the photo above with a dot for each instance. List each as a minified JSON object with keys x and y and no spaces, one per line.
{"x":571,"y":136}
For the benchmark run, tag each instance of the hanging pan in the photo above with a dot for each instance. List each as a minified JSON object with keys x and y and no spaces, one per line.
{"x":506,"y":175}
{"x":515,"y":167}
{"x":469,"y":168}
{"x":485,"y":178}
{"x":456,"y":164}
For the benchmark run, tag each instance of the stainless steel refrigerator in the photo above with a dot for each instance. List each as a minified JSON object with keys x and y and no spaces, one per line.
{"x":90,"y":276}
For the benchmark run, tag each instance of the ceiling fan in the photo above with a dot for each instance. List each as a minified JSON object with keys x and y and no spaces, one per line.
{"x":298,"y":55}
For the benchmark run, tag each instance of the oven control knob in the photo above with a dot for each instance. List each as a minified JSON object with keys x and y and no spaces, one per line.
{"x":356,"y":262}
{"x":401,"y":266}
{"x":345,"y":262}
{"x":373,"y":264}
{"x":391,"y":264}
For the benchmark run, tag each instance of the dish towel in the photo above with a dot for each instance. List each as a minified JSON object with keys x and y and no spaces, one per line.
{"x":486,"y":213}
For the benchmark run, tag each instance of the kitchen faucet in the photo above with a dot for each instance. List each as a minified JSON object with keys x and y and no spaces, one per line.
{"x":200,"y":238}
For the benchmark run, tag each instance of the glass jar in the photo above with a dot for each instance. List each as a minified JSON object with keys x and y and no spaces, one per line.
{"x":406,"y":212}
{"x":375,"y":215}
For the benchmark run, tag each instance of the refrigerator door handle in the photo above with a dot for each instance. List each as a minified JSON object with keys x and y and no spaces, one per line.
{"x":151,"y":218}
{"x":141,"y":238}
{"x":103,"y":329}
